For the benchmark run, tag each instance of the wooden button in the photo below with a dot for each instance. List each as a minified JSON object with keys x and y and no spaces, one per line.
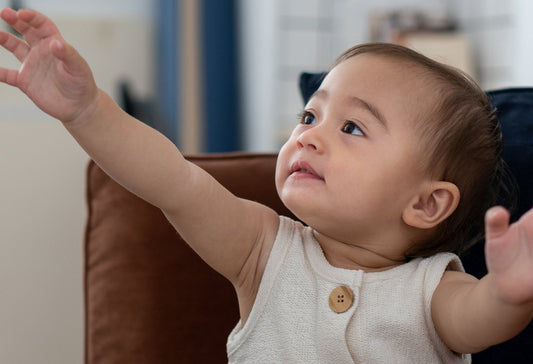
{"x":341,"y":299}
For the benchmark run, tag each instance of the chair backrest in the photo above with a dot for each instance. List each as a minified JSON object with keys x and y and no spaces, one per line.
{"x":148,"y":297}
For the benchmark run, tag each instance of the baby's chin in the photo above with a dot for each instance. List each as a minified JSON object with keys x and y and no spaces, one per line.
{"x":303,"y":213}
{"x":292,"y":206}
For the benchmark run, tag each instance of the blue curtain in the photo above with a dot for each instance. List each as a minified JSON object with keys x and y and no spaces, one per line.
{"x":219,"y":68}
{"x":220,"y":52}
{"x":167,"y":63}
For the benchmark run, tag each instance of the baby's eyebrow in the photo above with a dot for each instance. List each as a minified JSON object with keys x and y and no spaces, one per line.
{"x":373,"y":110}
{"x":358,"y":102}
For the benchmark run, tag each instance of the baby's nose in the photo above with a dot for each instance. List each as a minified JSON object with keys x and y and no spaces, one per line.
{"x":312,"y":139}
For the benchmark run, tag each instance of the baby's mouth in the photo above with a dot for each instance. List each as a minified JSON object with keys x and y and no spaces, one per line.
{"x":304,"y":169}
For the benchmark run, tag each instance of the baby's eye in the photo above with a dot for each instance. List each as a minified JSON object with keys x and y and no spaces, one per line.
{"x":308,"y":118}
{"x":350,"y":127}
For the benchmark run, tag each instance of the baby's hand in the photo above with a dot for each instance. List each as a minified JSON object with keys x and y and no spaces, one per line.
{"x":509,"y":254}
{"x":53,"y":75}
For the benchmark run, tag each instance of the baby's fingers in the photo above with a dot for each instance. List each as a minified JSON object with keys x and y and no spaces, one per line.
{"x":15,"y":45}
{"x":33,"y":25}
{"x":40,"y":22}
{"x":496,"y":222}
{"x":11,"y":17}
{"x":8,"y":76}
{"x":497,"y":239}
{"x":8,"y":15}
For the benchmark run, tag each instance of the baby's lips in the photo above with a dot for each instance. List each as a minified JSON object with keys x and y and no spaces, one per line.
{"x":304,"y":167}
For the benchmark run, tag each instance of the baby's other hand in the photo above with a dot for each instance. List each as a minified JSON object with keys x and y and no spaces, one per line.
{"x":509,"y":254}
{"x":52,"y":73}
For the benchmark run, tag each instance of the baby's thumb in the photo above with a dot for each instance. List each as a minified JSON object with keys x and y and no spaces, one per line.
{"x":65,"y":53}
{"x":59,"y":49}
{"x":71,"y":61}
{"x":496,"y":222}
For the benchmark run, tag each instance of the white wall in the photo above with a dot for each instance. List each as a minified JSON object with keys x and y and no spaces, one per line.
{"x":282,"y":38}
{"x":42,"y":186}
{"x":42,"y":215}
{"x":259,"y":37}
{"x":522,"y":54}
{"x":95,"y":8}
{"x":490,"y":25}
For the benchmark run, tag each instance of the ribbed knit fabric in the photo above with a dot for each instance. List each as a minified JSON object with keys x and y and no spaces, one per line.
{"x":389,"y":321}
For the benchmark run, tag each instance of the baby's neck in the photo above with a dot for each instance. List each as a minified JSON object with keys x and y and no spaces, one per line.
{"x":355,"y":256}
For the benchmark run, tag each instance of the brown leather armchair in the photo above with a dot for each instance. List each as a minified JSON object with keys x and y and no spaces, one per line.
{"x":148,"y":297}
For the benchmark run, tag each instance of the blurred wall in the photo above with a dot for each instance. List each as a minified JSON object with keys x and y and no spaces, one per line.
{"x":42,"y":185}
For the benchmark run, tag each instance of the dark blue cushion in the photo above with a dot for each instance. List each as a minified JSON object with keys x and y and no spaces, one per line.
{"x":515,"y":113}
{"x":309,"y":83}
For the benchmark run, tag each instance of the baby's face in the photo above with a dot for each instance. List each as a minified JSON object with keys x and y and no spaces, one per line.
{"x":353,"y":162}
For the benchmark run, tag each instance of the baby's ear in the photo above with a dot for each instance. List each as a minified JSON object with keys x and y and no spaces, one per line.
{"x":434,"y":204}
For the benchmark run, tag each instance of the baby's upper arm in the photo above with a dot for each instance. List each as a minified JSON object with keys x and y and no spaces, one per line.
{"x":232,"y":235}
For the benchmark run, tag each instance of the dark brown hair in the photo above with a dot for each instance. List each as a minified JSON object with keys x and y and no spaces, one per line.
{"x":463,"y":140}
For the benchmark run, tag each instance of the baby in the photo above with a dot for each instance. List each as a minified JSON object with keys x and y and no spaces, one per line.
{"x":390,"y":168}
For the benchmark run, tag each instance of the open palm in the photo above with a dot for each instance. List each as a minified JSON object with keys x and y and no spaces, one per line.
{"x":509,"y":253}
{"x":53,"y":75}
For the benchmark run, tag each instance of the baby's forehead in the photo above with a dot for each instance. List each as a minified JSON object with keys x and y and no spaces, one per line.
{"x":386,"y":82}
{"x":386,"y":69}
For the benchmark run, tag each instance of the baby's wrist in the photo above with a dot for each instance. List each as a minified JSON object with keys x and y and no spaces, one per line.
{"x":507,"y":299}
{"x":90,"y":111}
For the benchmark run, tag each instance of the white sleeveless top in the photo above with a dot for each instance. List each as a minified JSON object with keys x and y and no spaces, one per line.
{"x":292,"y":322}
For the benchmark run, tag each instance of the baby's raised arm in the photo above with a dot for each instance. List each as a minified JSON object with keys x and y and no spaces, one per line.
{"x":225,"y":230}
{"x":471,"y":315}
